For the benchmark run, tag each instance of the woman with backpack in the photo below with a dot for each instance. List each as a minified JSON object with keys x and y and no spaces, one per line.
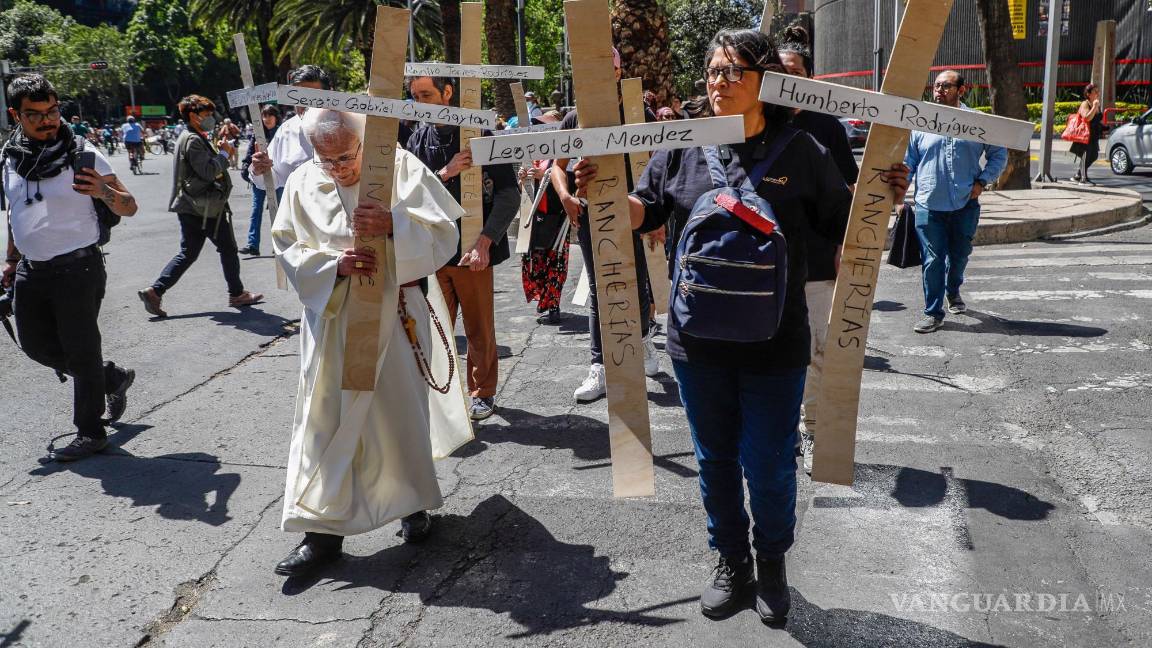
{"x":738,"y":326}
{"x":200,"y":189}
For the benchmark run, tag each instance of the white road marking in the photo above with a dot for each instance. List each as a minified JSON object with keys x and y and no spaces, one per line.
{"x":1061,"y":250}
{"x":1054,"y":295}
{"x":907,"y":382}
{"x":1060,"y":262}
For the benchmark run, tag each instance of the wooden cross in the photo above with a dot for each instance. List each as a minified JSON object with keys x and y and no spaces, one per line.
{"x":839,"y":399}
{"x":528,"y":192}
{"x":362,"y":337}
{"x":472,"y":180}
{"x":632,"y":91}
{"x":257,"y":121}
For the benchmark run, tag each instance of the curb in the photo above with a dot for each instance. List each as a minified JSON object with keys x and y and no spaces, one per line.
{"x":1129,"y":215}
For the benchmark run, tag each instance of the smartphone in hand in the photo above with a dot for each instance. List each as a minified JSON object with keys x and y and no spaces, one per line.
{"x":84,"y":160}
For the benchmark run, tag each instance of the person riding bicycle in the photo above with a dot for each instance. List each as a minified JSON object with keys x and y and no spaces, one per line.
{"x":109,"y":137}
{"x":133,"y":137}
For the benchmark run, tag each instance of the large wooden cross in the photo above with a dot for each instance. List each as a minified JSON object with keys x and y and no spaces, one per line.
{"x":602,"y":139}
{"x":471,"y":180}
{"x":362,"y":337}
{"x":839,"y":399}
{"x":528,"y":188}
{"x":632,"y":92}
{"x":255,"y":117}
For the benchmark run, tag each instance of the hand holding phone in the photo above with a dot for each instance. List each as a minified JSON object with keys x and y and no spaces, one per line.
{"x":84,"y":160}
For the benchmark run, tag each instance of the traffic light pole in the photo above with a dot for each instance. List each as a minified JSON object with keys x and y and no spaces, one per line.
{"x":4,"y":66}
{"x":1051,"y":66}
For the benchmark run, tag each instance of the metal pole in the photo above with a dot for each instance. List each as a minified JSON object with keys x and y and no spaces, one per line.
{"x":1051,"y":66}
{"x":4,"y":97}
{"x":877,"y":52}
{"x":131,"y":91}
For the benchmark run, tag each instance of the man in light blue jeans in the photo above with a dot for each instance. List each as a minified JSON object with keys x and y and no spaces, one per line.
{"x":949,"y":181}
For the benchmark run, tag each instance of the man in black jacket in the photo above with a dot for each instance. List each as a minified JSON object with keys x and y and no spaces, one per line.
{"x":54,"y":262}
{"x":467,"y":279}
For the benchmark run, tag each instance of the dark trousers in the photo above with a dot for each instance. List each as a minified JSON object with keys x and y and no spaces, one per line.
{"x":744,"y":428}
{"x":584,"y":236}
{"x":56,"y":313}
{"x":193,"y":233}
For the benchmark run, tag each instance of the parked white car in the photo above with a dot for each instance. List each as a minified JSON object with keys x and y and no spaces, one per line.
{"x":1130,"y":145}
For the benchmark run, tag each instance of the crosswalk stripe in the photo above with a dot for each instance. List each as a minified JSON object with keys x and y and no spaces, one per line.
{"x":1062,"y":250}
{"x":1054,"y":295}
{"x":1061,"y":262}
{"x":907,"y":382}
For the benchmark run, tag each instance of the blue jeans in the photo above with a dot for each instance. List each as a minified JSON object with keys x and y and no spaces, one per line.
{"x":256,"y":218}
{"x":946,"y":243}
{"x":744,"y":427}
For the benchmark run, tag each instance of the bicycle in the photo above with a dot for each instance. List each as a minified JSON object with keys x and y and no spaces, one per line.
{"x":135,"y":157}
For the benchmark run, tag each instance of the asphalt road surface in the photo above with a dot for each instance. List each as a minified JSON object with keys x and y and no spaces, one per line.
{"x":1002,"y":494}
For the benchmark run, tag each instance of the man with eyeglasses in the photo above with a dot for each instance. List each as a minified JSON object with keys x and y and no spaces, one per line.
{"x":468,"y":279}
{"x":949,"y":181}
{"x":54,"y":264}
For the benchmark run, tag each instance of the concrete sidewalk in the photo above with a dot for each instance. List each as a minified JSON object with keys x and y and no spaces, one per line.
{"x":1053,"y":208}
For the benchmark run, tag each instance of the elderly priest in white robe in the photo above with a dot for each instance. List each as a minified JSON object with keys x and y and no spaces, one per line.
{"x":360,"y":460}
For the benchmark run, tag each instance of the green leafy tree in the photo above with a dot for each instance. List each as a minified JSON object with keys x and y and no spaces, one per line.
{"x":236,"y":16}
{"x":312,"y":29}
{"x":544,"y":20}
{"x":26,"y":27}
{"x":693,"y":23}
{"x":166,"y":50}
{"x":66,"y":63}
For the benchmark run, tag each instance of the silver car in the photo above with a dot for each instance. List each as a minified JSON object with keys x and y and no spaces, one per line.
{"x":1130,"y":145}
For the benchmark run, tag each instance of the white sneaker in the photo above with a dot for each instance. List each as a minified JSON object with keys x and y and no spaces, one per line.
{"x":651,"y":360}
{"x":807,"y":443}
{"x":593,"y":386}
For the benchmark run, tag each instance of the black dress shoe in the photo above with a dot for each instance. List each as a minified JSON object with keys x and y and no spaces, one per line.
{"x":727,"y":591}
{"x":118,"y":397}
{"x":416,"y":528}
{"x":80,"y":448}
{"x":773,"y":600}
{"x":307,"y":556}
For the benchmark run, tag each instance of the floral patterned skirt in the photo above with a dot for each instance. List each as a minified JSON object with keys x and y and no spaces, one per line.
{"x":544,"y":273}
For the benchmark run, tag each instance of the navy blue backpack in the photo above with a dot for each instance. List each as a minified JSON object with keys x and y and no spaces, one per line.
{"x":731,"y":273}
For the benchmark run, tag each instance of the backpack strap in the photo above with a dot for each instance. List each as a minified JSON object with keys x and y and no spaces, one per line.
{"x":716,"y":168}
{"x":775,"y":149}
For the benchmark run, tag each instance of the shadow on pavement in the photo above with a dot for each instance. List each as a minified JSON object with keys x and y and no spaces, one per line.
{"x":586,"y":437}
{"x":882,"y":486}
{"x":888,"y":306}
{"x":816,"y":627}
{"x":501,"y":559}
{"x":994,"y":324}
{"x":12,"y":636}
{"x":176,"y":484}
{"x":249,"y":320}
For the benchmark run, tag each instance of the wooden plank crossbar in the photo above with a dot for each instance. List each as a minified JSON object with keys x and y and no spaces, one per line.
{"x":522,"y":72}
{"x":471,"y":180}
{"x":589,"y":141}
{"x":614,"y":260}
{"x":384,"y":107}
{"x":528,"y":188}
{"x":362,"y":338}
{"x":839,"y":399}
{"x":252,"y":96}
{"x":882,"y":108}
{"x":632,"y":91}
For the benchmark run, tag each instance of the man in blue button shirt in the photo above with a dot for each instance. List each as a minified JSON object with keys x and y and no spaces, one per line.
{"x":949,"y":182}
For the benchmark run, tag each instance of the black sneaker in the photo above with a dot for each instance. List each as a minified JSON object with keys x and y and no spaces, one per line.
{"x":773,"y":600}
{"x":732,"y":580}
{"x":481,"y":408}
{"x":248,"y":251}
{"x":956,"y":305}
{"x":928,"y":324}
{"x":118,"y":397}
{"x":81,"y":447}
{"x":550,"y":316}
{"x":416,"y":528}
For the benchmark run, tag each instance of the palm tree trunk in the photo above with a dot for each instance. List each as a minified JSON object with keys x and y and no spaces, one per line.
{"x":640,"y":30}
{"x":500,"y":32}
{"x":1005,"y":82}
{"x":450,"y":21}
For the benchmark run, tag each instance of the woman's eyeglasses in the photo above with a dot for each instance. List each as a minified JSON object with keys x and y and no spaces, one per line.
{"x":731,"y":73}
{"x":342,"y":161}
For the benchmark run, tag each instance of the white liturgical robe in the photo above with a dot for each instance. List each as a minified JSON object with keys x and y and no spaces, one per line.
{"x":359,"y":460}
